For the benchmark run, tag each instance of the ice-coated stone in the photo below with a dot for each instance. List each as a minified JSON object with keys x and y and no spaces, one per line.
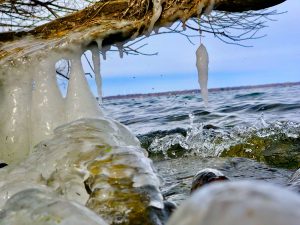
{"x":239,"y":203}
{"x":39,"y":207}
{"x":94,"y":162}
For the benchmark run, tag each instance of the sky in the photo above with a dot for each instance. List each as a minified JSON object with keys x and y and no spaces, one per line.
{"x":272,"y":59}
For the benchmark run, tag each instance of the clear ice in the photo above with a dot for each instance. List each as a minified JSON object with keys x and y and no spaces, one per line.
{"x":15,"y":100}
{"x":47,"y":105}
{"x":94,"y":162}
{"x":96,"y":61}
{"x":80,"y":102}
{"x":202,"y":67}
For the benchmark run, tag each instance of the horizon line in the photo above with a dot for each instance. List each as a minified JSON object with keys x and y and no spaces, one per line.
{"x":194,"y":91}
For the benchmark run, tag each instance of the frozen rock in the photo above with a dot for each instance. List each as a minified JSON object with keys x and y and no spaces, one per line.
{"x":239,"y":203}
{"x":94,"y":162}
{"x":38,"y":207}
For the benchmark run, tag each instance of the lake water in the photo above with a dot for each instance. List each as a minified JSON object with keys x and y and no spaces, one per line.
{"x":247,"y":134}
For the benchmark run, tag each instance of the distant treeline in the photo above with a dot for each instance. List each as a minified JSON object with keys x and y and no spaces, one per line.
{"x":171,"y":93}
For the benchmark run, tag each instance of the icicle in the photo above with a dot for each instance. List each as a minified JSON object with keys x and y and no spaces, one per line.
{"x":121,"y":49}
{"x":202,"y":67}
{"x":210,"y":7}
{"x":15,"y":101}
{"x":157,"y":9}
{"x":96,"y":61}
{"x":47,"y":107}
{"x":183,"y":24}
{"x":80,"y":102}
{"x":104,"y":50}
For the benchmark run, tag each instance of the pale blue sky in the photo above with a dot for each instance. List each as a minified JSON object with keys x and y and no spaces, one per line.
{"x":272,"y":59}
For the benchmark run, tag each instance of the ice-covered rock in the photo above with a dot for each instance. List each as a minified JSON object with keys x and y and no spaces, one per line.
{"x":239,"y":203}
{"x":39,"y":207}
{"x":94,"y":162}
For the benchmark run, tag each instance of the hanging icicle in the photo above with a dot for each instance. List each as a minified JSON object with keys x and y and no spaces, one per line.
{"x":202,"y":67}
{"x":96,"y":62}
{"x":80,"y":102}
{"x":157,"y":9}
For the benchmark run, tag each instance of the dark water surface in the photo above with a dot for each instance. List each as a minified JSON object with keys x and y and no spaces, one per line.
{"x":247,"y":134}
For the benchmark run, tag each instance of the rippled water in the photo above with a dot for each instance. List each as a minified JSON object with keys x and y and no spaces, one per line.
{"x":226,"y":109}
{"x":182,"y":136}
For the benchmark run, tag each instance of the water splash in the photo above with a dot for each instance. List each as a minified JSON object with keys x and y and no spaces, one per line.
{"x":276,"y":143}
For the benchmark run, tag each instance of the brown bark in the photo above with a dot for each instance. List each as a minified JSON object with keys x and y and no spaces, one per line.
{"x":113,"y":21}
{"x":245,"y":5}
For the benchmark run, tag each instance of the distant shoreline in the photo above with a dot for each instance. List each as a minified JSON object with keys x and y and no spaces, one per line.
{"x":194,"y":91}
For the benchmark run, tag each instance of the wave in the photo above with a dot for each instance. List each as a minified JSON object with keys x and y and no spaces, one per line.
{"x":276,"y":143}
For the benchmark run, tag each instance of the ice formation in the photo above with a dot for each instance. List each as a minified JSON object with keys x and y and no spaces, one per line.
{"x":47,"y":105}
{"x":36,"y":207}
{"x":80,"y":102}
{"x":239,"y":203}
{"x":120,"y":49}
{"x":157,"y":9}
{"x":15,"y":102}
{"x":94,"y":162}
{"x":210,"y":7}
{"x":202,"y":67}
{"x":31,"y":104}
{"x":96,"y":62}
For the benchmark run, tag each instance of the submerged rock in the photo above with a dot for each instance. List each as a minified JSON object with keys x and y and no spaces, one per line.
{"x":278,"y":149}
{"x":207,"y":176}
{"x":239,"y":203}
{"x":2,"y":165}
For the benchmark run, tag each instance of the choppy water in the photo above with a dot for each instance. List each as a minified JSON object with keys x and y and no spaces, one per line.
{"x":182,"y":136}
